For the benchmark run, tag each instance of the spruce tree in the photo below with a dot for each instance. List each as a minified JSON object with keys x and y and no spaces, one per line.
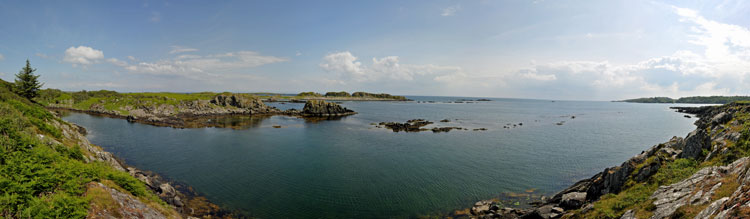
{"x":27,"y":84}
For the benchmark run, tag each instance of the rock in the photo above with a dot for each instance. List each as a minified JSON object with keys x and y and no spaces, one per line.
{"x":695,"y":142}
{"x":413,"y":125}
{"x":573,"y":200}
{"x":721,"y":118}
{"x":647,"y":170}
{"x":128,"y":206}
{"x":445,"y":120}
{"x":713,"y":208}
{"x":166,"y":190}
{"x":630,"y":214}
{"x":324,"y":109}
{"x":444,"y":129}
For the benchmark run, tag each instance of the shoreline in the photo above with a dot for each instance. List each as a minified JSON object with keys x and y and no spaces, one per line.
{"x":314,"y":110}
{"x":710,"y":145}
{"x":183,"y":198}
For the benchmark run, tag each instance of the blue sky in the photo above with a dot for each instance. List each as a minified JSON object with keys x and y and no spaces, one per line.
{"x":581,"y":50}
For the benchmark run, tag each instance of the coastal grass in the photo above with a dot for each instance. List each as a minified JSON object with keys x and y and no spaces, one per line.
{"x":636,"y":195}
{"x":44,"y":175}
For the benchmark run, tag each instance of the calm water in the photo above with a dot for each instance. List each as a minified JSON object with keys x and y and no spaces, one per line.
{"x":348,"y":168}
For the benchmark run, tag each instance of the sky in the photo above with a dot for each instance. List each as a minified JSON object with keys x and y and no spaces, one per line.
{"x":540,"y":49}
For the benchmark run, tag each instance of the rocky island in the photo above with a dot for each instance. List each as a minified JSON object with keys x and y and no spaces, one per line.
{"x":179,"y":110}
{"x":704,"y":175}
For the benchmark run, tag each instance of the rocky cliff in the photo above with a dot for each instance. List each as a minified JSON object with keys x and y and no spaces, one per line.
{"x":704,"y":175}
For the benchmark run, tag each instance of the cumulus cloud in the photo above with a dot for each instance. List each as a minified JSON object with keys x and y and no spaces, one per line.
{"x":181,"y":49}
{"x":720,"y":66}
{"x":197,"y":67}
{"x":450,"y":11}
{"x":386,"y":68}
{"x":82,"y":55}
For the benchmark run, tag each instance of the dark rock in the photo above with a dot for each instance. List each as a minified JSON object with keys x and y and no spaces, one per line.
{"x":573,"y":200}
{"x":444,"y":129}
{"x":445,"y":120}
{"x":322,"y":108}
{"x":695,"y":142}
{"x":414,"y":125}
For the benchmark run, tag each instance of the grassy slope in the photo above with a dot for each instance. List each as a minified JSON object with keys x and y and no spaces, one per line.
{"x":43,"y":179}
{"x":636,"y":195}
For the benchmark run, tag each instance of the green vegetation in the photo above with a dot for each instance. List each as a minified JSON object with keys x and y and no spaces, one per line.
{"x":338,"y":94}
{"x":114,"y":101}
{"x":309,"y":94}
{"x":344,"y":94}
{"x":27,"y":84}
{"x":696,"y":99}
{"x":44,"y":175}
{"x":637,"y":195}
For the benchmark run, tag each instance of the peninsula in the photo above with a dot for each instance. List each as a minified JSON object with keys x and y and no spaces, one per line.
{"x":180,"y":110}
{"x":695,"y":99}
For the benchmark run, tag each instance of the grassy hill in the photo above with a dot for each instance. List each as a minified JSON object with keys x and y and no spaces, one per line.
{"x":44,"y":172}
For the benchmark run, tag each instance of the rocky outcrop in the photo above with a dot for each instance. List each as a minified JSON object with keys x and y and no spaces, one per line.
{"x":321,"y":108}
{"x":111,"y":203}
{"x":718,"y":129}
{"x":413,"y":125}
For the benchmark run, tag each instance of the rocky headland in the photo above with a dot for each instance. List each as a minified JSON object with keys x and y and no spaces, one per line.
{"x":703,"y":175}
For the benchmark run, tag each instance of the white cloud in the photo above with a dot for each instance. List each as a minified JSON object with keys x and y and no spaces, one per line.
{"x":387,"y":68}
{"x":197,"y":67}
{"x":82,"y":55}
{"x":131,"y":58}
{"x":117,"y":62}
{"x":41,"y":55}
{"x":342,"y":62}
{"x":181,"y":49}
{"x":450,"y":11}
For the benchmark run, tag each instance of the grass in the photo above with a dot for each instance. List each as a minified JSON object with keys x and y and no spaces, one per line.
{"x":43,"y":179}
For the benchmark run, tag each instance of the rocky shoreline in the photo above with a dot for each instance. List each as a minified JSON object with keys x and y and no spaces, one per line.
{"x":201,"y":113}
{"x":718,"y":129}
{"x":182,"y":198}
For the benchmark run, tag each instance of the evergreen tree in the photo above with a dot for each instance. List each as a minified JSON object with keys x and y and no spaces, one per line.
{"x":27,"y":84}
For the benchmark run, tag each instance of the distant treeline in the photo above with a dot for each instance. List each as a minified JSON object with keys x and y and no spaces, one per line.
{"x":696,"y":99}
{"x":355,"y":95}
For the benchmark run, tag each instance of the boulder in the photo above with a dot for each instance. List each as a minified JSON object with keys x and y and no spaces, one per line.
{"x":573,"y":200}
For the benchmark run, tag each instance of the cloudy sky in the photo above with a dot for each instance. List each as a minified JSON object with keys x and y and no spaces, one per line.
{"x":566,"y":49}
